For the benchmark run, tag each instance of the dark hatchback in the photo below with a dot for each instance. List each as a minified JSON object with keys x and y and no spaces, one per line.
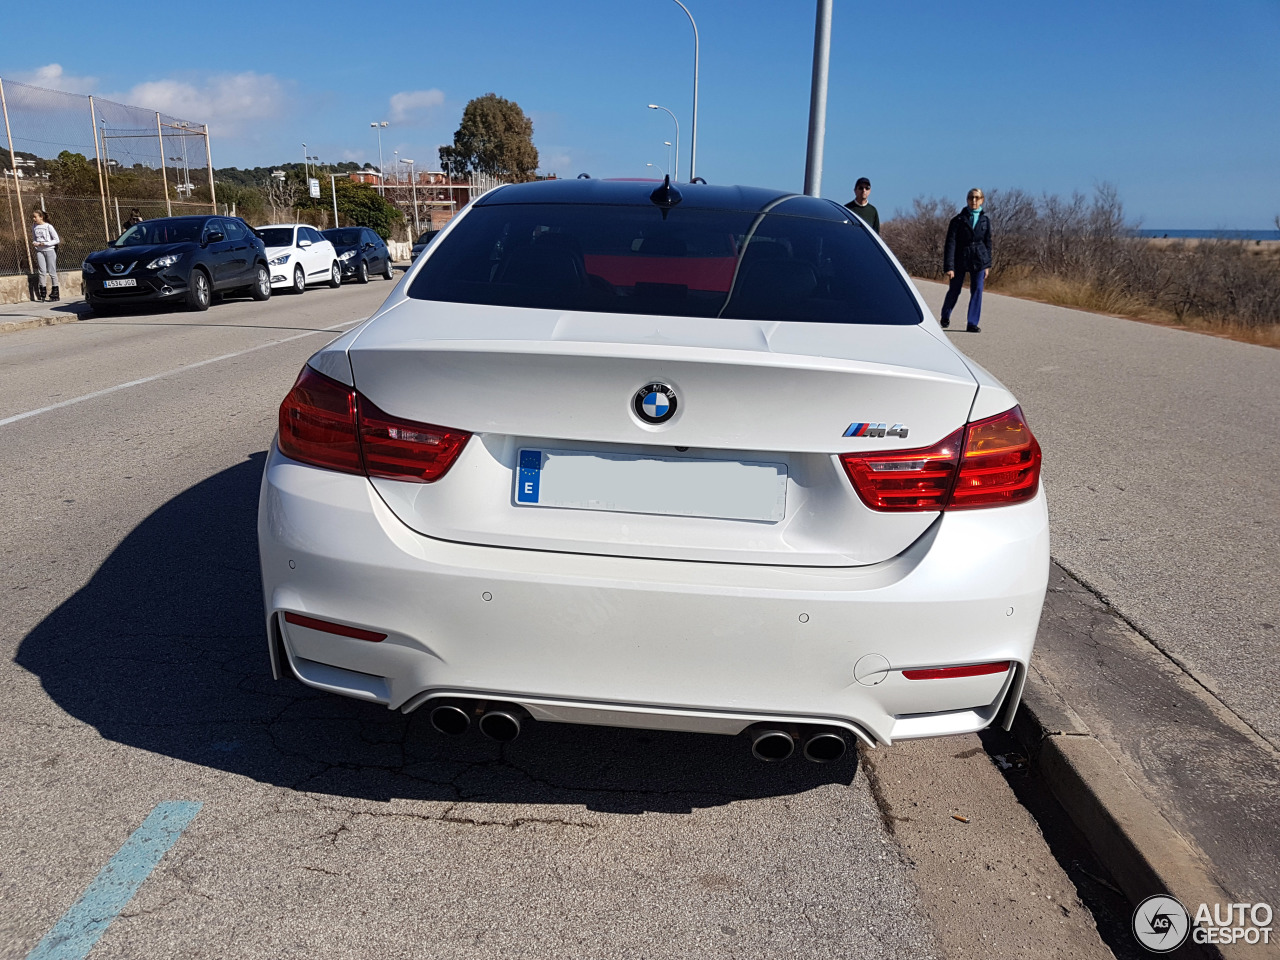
{"x":361,"y":253}
{"x":177,"y":260}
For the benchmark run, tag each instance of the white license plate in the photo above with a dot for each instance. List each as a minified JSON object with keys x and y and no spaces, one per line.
{"x":670,"y":486}
{"x":120,"y":283}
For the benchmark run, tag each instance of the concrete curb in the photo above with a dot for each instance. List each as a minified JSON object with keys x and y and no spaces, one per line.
{"x":1128,"y":834}
{"x":29,"y":323}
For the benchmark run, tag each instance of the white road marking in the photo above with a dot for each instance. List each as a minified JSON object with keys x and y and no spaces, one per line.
{"x":169,"y":373}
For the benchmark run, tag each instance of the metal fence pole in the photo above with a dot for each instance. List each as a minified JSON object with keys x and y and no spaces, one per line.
{"x":164,"y":174}
{"x":208,"y":155}
{"x":102,"y":190}
{"x":17,"y":187}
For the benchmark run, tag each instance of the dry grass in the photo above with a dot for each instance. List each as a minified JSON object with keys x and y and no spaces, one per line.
{"x":1115,"y":303}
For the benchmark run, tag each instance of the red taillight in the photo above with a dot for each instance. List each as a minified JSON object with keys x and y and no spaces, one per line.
{"x":988,"y":463}
{"x":318,"y":423}
{"x":950,"y":673}
{"x":404,"y":450}
{"x":328,"y":424}
{"x":1001,"y":463}
{"x":905,"y":479}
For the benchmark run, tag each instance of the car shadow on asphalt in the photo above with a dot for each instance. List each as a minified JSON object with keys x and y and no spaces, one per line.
{"x":164,"y":650}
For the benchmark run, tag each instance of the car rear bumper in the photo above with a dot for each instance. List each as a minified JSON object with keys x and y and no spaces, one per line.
{"x":711,"y":647}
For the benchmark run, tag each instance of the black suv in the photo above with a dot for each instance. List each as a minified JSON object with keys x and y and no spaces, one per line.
{"x":361,"y":252}
{"x":177,"y":260}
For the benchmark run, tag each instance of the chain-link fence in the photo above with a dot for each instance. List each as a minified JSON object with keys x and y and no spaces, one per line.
{"x":89,"y":164}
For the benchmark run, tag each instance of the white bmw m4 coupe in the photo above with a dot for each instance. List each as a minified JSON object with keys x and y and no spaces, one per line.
{"x":686,"y":458}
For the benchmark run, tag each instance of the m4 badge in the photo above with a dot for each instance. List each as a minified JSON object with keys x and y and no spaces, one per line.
{"x":875,"y":430}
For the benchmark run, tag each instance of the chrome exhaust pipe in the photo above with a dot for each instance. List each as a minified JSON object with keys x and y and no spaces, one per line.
{"x":772,"y":745}
{"x":826,"y":746}
{"x":451,"y":719}
{"x":500,"y":725}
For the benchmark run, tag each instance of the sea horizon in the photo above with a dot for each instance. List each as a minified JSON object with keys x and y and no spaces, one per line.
{"x":1210,"y":234}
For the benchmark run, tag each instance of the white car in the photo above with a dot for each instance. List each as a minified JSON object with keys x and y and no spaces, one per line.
{"x":297,"y":255}
{"x":694,"y":460}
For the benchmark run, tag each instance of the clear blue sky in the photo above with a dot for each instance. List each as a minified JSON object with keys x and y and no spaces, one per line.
{"x":1175,"y":103}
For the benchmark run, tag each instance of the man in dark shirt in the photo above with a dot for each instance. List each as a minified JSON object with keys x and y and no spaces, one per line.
{"x":859,"y":205}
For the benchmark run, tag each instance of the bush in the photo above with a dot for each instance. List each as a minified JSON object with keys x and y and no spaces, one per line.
{"x":1082,"y":252}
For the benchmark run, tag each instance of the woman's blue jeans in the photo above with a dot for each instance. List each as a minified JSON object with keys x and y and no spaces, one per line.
{"x":976,"y":278}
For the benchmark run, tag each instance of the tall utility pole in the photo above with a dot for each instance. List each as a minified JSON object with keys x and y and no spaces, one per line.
{"x":382,"y":177}
{"x":818,"y":100}
{"x":693,"y":137}
{"x":306,"y":169}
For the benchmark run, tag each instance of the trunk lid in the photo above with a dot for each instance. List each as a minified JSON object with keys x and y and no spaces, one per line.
{"x":781,"y":395}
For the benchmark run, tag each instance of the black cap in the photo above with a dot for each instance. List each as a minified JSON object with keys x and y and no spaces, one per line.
{"x":862,"y":182}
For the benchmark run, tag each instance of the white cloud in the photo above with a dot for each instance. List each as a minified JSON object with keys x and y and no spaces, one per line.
{"x":406,"y":104}
{"x":52,"y":76}
{"x":226,"y":102}
{"x":559,"y":163}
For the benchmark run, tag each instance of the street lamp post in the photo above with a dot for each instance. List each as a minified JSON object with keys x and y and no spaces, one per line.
{"x":818,"y":100}
{"x":693,"y":137}
{"x":667,"y":144}
{"x":306,"y":170}
{"x":656,"y":167}
{"x":413,"y":184}
{"x":378,"y":125}
{"x":395,"y":165}
{"x":654,"y":106}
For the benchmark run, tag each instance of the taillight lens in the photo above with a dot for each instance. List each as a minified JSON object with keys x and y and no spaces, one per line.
{"x":328,"y":424}
{"x":1001,"y":463}
{"x":404,"y":450}
{"x":906,"y":480}
{"x":318,"y":423}
{"x":988,"y":463}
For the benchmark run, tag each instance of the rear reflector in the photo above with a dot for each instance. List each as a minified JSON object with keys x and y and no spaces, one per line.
{"x":341,"y":629}
{"x":988,"y":463}
{"x":950,"y":673}
{"x":329,"y":424}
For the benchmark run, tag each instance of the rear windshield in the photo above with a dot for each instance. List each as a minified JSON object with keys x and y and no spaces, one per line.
{"x":276,"y":236}
{"x":343,"y":238}
{"x":692,"y":263}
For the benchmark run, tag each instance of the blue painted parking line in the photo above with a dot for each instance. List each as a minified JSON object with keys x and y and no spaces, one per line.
{"x":116,"y":883}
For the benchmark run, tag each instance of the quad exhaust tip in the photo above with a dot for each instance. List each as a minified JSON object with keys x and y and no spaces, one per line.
{"x":451,"y":719}
{"x":500,"y":725}
{"x":825,"y":747}
{"x":772,"y":745}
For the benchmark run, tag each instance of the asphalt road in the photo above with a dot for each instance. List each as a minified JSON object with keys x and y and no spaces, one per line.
{"x":135,"y":673}
{"x":1162,"y":465}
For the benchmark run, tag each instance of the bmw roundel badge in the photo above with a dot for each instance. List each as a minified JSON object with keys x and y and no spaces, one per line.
{"x":654,"y":403}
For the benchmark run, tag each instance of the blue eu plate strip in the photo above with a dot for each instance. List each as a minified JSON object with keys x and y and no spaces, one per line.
{"x":528,"y":475}
{"x":116,"y":883}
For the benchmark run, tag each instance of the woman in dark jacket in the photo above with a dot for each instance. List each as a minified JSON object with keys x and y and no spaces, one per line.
{"x":968,"y":250}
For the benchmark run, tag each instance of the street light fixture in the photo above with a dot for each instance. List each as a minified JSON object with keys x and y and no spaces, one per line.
{"x":656,"y":167}
{"x":378,"y":125}
{"x":306,"y":170}
{"x":417,"y":231}
{"x":667,"y":144}
{"x":693,"y":137}
{"x":676,"y":167}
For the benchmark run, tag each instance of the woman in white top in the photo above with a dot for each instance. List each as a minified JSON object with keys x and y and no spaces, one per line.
{"x":45,"y":239}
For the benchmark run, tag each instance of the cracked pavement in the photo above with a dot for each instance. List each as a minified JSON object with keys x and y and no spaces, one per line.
{"x":136,"y":672}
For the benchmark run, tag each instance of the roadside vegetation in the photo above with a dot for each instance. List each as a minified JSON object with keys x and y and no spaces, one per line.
{"x":1082,"y":252}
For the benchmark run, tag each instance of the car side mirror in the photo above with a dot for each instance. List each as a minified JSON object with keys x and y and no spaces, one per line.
{"x":215,"y":237}
{"x":368,"y":245}
{"x":304,"y":243}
